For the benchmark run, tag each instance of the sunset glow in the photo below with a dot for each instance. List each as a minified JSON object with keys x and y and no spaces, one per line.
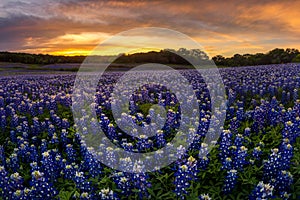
{"x":77,"y":27}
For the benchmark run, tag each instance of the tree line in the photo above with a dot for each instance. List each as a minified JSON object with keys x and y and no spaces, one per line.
{"x":275,"y":56}
{"x":166,"y":56}
{"x":27,"y":58}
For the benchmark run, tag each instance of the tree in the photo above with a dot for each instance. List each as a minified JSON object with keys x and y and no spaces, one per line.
{"x":296,"y":59}
{"x":219,"y":60}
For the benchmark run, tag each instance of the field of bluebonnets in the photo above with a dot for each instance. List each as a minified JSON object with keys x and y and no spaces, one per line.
{"x":43,"y":156}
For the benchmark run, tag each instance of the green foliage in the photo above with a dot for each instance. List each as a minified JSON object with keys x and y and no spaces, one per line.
{"x":275,"y":56}
{"x":296,"y":59}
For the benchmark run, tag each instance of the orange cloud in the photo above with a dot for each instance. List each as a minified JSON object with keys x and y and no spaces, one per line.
{"x":76,"y":27}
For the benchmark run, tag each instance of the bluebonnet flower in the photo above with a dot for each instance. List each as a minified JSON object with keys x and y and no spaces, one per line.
{"x":69,"y":172}
{"x":230,"y":113}
{"x":18,"y":195}
{"x":13,"y":136}
{"x":13,"y":162}
{"x":41,"y":188}
{"x":274,"y":103}
{"x":16,"y":181}
{"x":184,"y":175}
{"x":2,"y":156}
{"x":126,"y":164}
{"x":272,"y":165}
{"x":128,"y":146}
{"x":262,"y":191}
{"x":273,"y":116}
{"x":123,"y":182}
{"x":77,"y":137}
{"x":227,"y":164}
{"x":296,"y":107}
{"x":71,"y":153}
{"x":144,"y":143}
{"x":240,"y":114}
{"x":204,"y":160}
{"x":65,"y":124}
{"x":111,"y":156}
{"x":21,"y":139}
{"x":44,"y":146}
{"x":4,"y":182}
{"x":1,"y":101}
{"x":289,"y":131}
{"x":94,"y":125}
{"x":160,"y":140}
{"x":203,"y":126}
{"x":204,"y":197}
{"x":286,"y":154}
{"x":90,"y":162}
{"x":107,"y":194}
{"x":225,"y":144}
{"x":51,"y":130}
{"x":34,"y":167}
{"x":240,"y":158}
{"x":36,"y":176}
{"x":238,"y":141}
{"x":81,"y":182}
{"x":54,"y":139}
{"x":259,"y":119}
{"x":141,"y":183}
{"x":285,"y":195}
{"x":59,"y":163}
{"x":257,"y":153}
{"x":85,"y":196}
{"x":47,"y":165}
{"x":234,"y":125}
{"x":25,"y":126}
{"x":283,"y":182}
{"x":22,"y":151}
{"x":2,"y":122}
{"x":64,"y":138}
{"x":40,"y":110}
{"x":36,"y":127}
{"x":230,"y":181}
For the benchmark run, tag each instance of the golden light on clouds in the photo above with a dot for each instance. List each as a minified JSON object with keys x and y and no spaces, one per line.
{"x":77,"y":27}
{"x":71,"y":52}
{"x":81,"y":38}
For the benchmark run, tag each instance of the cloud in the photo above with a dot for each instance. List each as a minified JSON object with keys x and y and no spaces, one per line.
{"x":225,"y":27}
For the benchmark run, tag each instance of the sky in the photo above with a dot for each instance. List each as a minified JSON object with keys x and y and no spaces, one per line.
{"x":76,"y":27}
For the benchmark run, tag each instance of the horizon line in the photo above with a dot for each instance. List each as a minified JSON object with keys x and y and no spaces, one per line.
{"x":146,"y":51}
